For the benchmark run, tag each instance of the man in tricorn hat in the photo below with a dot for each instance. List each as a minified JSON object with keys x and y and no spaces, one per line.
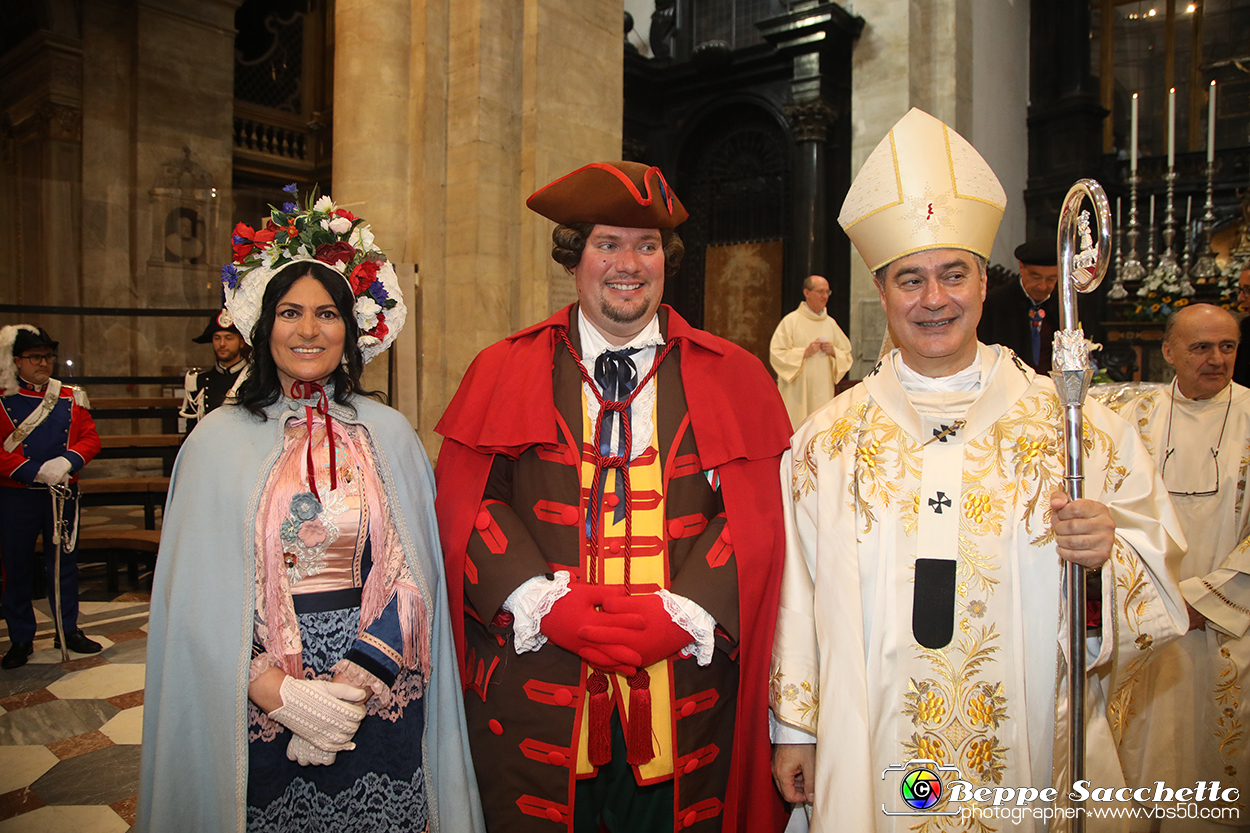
{"x":205,"y":390}
{"x":1024,"y":314}
{"x":611,"y":521}
{"x":47,"y":437}
{"x":920,"y":603}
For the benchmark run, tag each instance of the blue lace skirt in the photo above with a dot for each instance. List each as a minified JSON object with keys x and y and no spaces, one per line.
{"x":377,"y":787}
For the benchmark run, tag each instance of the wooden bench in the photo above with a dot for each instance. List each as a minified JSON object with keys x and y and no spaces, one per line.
{"x":139,"y":446}
{"x":135,"y":407}
{"x":115,"y":545}
{"x":147,"y":492}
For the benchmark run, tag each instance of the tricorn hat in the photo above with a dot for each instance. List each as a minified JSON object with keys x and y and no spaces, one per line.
{"x":217,"y":323}
{"x":627,"y":194}
{"x":923,"y":187}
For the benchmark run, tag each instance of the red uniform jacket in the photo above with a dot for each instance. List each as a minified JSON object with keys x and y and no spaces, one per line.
{"x":69,"y":432}
{"x":506,"y":406}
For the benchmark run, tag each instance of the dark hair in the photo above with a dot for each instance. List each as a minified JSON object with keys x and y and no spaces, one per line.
{"x":262,"y":387}
{"x":569,"y":241}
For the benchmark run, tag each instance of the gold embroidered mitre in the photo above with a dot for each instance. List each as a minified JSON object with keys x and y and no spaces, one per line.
{"x":923,"y":187}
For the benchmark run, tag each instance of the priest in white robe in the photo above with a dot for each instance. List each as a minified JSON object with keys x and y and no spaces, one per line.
{"x":809,"y":353}
{"x":927,"y":535}
{"x":1188,"y":716}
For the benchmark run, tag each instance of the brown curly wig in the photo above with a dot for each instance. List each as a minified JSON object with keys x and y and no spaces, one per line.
{"x":569,"y":241}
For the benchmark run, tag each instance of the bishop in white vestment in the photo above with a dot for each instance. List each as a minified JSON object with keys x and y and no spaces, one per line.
{"x":1188,"y":715}
{"x":927,"y":535}
{"x":809,"y":353}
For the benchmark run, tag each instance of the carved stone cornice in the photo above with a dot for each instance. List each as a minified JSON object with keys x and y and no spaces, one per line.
{"x":810,"y":120}
{"x":59,"y":122}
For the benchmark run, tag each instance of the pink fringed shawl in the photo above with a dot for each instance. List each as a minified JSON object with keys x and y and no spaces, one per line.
{"x":277,"y":627}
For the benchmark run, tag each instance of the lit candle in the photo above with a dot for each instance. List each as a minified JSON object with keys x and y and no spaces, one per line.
{"x":1211,"y":125}
{"x":1133,"y":150}
{"x":1171,"y":128}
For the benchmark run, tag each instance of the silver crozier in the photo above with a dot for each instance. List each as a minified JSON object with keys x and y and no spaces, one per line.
{"x":1082,"y":266}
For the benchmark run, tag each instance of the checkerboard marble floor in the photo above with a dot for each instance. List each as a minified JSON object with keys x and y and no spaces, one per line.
{"x":70,"y":731}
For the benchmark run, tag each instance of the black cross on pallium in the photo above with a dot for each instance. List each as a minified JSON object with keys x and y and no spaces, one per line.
{"x":940,"y":434}
{"x":938,"y":502}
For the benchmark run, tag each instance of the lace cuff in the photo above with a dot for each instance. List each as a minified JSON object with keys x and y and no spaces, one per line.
{"x":353,"y":674}
{"x":260,"y":664}
{"x":695,"y":621}
{"x":529,"y":603}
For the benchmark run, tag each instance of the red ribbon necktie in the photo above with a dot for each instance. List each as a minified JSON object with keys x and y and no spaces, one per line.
{"x":1036,"y":314}
{"x":312,"y":390}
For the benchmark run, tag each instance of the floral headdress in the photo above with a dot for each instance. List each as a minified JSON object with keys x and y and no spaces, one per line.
{"x":323,"y":232}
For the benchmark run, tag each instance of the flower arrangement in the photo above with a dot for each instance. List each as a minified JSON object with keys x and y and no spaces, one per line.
{"x":320,"y":231}
{"x":1160,"y":294}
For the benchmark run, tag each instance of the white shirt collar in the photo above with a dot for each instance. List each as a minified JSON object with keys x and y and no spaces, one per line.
{"x":594,"y":343}
{"x":967,"y":379}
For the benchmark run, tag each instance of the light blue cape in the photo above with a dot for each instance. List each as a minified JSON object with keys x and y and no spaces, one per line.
{"x":193,"y":772}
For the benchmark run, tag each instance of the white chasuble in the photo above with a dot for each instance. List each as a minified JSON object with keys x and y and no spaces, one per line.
{"x":875,"y":485}
{"x":1189,"y":714}
{"x":807,"y":383}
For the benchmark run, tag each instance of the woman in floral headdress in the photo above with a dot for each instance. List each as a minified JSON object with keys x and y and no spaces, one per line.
{"x":301,"y":674}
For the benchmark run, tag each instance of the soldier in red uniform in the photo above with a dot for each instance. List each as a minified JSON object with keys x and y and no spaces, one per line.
{"x":47,"y":436}
{"x":610,"y":512}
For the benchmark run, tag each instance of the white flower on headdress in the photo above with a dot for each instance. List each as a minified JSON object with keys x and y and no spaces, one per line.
{"x":340,"y":225}
{"x":340,"y":267}
{"x":362,"y":238}
{"x":367,"y":311}
{"x":271,"y":255}
{"x":365,"y":342}
{"x":304,"y":251}
{"x":323,"y":203}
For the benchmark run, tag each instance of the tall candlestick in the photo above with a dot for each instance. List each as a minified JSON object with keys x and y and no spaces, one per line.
{"x":1133,"y":150}
{"x":1211,"y":125}
{"x":1172,"y":127}
{"x":1150,"y":238}
{"x":1117,"y":291}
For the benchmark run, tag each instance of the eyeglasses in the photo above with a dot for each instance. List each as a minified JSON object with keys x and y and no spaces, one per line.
{"x":40,"y":359}
{"x":1215,"y":451}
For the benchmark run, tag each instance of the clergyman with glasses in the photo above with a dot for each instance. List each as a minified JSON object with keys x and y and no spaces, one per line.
{"x":1191,"y":718}
{"x":47,"y":436}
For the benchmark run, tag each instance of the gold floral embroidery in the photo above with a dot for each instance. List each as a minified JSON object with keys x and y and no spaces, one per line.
{"x":974,"y":568}
{"x":828,"y":443}
{"x":911,"y":513}
{"x":1228,"y":731}
{"x":957,"y":712}
{"x":885,"y":456}
{"x":1022,"y":448}
{"x":800,"y":700}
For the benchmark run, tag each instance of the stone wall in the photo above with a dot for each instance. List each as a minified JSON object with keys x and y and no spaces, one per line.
{"x":481,"y":103}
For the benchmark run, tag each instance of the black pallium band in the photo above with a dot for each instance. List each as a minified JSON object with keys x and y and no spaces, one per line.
{"x":933,"y":602}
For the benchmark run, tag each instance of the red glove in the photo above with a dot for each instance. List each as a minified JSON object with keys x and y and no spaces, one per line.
{"x":659,"y":639}
{"x":577,"y":611}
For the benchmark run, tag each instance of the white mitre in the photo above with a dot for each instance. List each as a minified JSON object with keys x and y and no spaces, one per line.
{"x":923,"y":187}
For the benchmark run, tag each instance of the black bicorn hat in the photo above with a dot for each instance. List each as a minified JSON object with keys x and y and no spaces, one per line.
{"x":222,"y":321}
{"x":1039,"y":252}
{"x":28,"y":338}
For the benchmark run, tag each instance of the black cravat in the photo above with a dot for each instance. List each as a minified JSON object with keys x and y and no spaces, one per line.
{"x":616,"y":376}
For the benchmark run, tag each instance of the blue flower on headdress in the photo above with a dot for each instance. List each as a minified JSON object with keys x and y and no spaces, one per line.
{"x":291,"y":189}
{"x":305,"y":506}
{"x":290,"y":207}
{"x":378,"y":291}
{"x":230,"y":276}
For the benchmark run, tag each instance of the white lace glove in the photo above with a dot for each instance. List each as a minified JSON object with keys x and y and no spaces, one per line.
{"x":305,"y":754}
{"x":322,"y":712}
{"x":54,"y":472}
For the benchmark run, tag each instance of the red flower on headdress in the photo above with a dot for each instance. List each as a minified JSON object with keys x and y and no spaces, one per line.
{"x":332,"y":253}
{"x":363,"y":276}
{"x":343,"y":212}
{"x":246,"y":239}
{"x":379,"y":332}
